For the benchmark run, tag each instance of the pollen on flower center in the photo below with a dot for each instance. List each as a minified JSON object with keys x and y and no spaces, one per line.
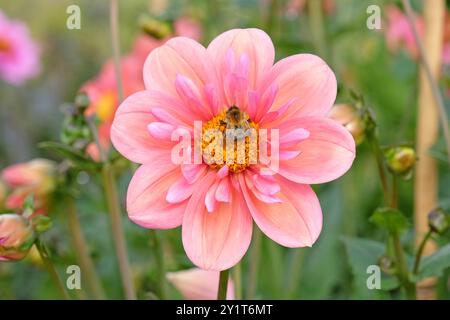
{"x":231,"y":139}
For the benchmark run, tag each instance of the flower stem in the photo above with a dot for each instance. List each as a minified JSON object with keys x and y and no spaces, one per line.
{"x":159,"y":257}
{"x":237,"y":277}
{"x":82,"y":252}
{"x":373,"y":139}
{"x":392,"y":201}
{"x":420,"y":252}
{"x":113,"y":202}
{"x":293,"y":274}
{"x":51,"y":269}
{"x":255,"y":252}
{"x":394,"y":196}
{"x":114,"y":27}
{"x":402,"y":268}
{"x":223,"y":285}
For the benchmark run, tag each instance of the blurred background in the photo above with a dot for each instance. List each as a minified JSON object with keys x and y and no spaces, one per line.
{"x":363,"y":61}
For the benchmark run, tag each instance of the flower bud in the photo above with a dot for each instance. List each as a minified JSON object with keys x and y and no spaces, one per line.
{"x":401,"y":160}
{"x":82,"y":101}
{"x":16,"y":237}
{"x":349,"y":116}
{"x":36,"y":178}
{"x":438,"y":221}
{"x":155,"y":28}
{"x":387,"y":264}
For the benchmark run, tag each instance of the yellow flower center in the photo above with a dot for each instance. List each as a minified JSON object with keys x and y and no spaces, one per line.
{"x":105,"y":106}
{"x":231,"y":139}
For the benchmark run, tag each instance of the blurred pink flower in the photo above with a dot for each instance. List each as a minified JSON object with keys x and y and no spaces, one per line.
{"x":36,"y":177}
{"x":16,"y":237}
{"x":19,"y":54}
{"x":198,"y":284}
{"x":102,"y":90}
{"x":399,"y":34}
{"x":186,"y":82}
{"x":294,"y":7}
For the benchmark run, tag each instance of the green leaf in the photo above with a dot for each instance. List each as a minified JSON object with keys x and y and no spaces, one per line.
{"x":390,"y":219}
{"x":77,"y":158}
{"x":435,"y":264}
{"x":363,"y":253}
{"x":41,"y":223}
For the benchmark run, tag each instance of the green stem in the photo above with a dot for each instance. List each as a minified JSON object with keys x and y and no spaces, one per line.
{"x":255,"y":252}
{"x":114,"y":27}
{"x":373,"y":139}
{"x":51,"y":269}
{"x":317,"y":29}
{"x":402,"y":268}
{"x":272,"y":17}
{"x":237,"y":277}
{"x":109,"y":185}
{"x":223,"y":285}
{"x":159,"y":257}
{"x":394,"y":197}
{"x":420,"y":251}
{"x":82,"y":252}
{"x":293,"y":274}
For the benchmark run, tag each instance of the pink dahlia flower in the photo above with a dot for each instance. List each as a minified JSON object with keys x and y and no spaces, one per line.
{"x":216,"y":203}
{"x":198,"y":284}
{"x":19,"y":54}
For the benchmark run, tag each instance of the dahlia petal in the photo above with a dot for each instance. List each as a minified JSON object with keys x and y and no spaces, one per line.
{"x":210,"y":199}
{"x":294,"y":222}
{"x":306,"y":77}
{"x":129,"y":130}
{"x":325,"y":155}
{"x":223,"y":192}
{"x":218,"y":240}
{"x":294,"y":136}
{"x":266,"y":186}
{"x":289,"y":154}
{"x":193,"y":172}
{"x":161,"y":130}
{"x":179,"y":191}
{"x":178,"y":56}
{"x":146,"y":197}
{"x":255,"y":44}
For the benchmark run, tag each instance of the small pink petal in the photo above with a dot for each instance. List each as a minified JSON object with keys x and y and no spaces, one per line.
{"x":193,"y":172}
{"x":223,"y":192}
{"x":179,"y":191}
{"x":161,"y":130}
{"x":223,"y":172}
